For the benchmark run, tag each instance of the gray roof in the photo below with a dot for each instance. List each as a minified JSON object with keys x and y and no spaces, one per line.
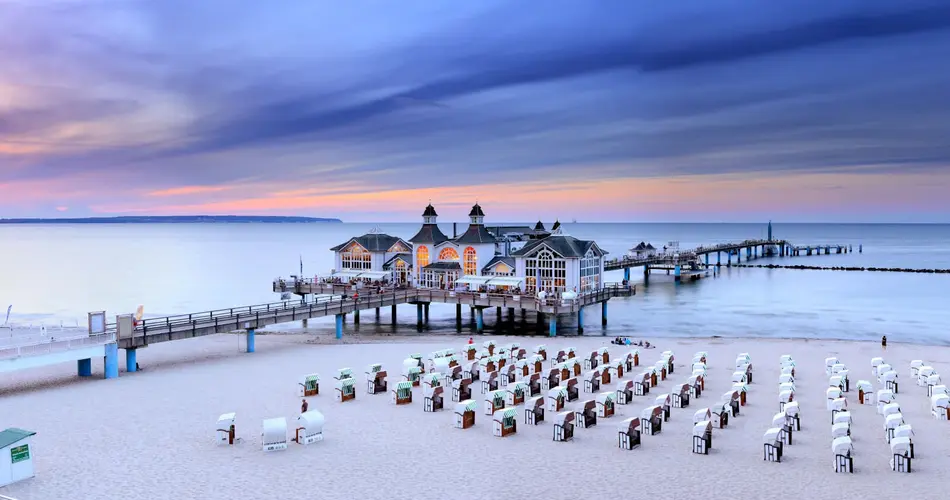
{"x":430,"y":211}
{"x":644,"y":246}
{"x":405,"y":256}
{"x":429,"y":233}
{"x":476,"y":211}
{"x":509,"y":261}
{"x":539,"y":226}
{"x":13,"y":435}
{"x":564,"y":245}
{"x":374,"y":242}
{"x":476,"y":233}
{"x":444,"y":266}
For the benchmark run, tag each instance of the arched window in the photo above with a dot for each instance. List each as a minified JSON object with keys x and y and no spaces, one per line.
{"x":546,"y":272}
{"x":449,"y":253}
{"x":356,"y":257}
{"x":422,"y":259}
{"x":471,"y":262}
{"x":590,"y":272}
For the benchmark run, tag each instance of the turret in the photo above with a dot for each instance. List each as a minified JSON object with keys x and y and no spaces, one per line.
{"x":429,"y":216}
{"x":476,"y":216}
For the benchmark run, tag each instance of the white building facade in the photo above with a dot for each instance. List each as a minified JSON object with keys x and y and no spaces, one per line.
{"x":373,"y":256}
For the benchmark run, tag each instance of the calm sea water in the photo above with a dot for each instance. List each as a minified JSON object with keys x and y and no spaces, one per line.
{"x":55,"y":274}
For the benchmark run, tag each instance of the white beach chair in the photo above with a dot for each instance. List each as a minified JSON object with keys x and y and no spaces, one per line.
{"x":564,"y":426}
{"x":629,"y":433}
{"x":875,"y":362}
{"x":940,"y":406}
{"x":889,"y":380}
{"x":605,"y":404}
{"x":882,"y":369}
{"x":843,"y":450}
{"x":224,"y":428}
{"x":932,"y":381}
{"x":702,"y":437}
{"x":624,"y":392}
{"x":786,"y":386}
{"x":915,"y":366}
{"x":465,"y":413}
{"x":901,"y":454}
{"x":793,"y":415}
{"x":884,"y":397}
{"x":773,"y":446}
{"x":786,"y":378}
{"x":786,"y":359}
{"x":274,"y":434}
{"x":651,"y":420}
{"x":906,"y":431}
{"x":891,"y":423}
{"x":829,"y":362}
{"x":784,"y":398}
{"x":831,"y":394}
{"x":865,"y":392}
{"x":841,"y":429}
{"x":309,"y":427}
{"x":923,"y":373}
{"x":837,"y":406}
{"x":702,"y":415}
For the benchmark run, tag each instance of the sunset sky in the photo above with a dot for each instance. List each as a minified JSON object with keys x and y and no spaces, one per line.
{"x":599,"y":110}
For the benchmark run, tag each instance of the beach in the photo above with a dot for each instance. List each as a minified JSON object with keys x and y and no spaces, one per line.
{"x":150,"y":435}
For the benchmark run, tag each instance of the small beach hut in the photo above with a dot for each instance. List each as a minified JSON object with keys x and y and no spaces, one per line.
{"x":224,"y":428}
{"x":573,"y":392}
{"x":433,"y":399}
{"x":592,"y":381}
{"x":402,"y":393}
{"x":793,"y":415}
{"x":412,"y":374}
{"x":624,"y":391}
{"x":891,"y":423}
{"x":309,"y":427}
{"x":884,"y":397}
{"x":542,"y":350}
{"x":628,"y":433}
{"x":515,"y":393}
{"x":651,"y":420}
{"x":615,"y":368}
{"x":702,"y":437}
{"x":940,"y":406}
{"x":665,"y":402}
{"x":641,"y":383}
{"x":923,"y":373}
{"x":16,"y":450}
{"x":376,"y":379}
{"x":843,"y":450}
{"x":552,"y":379}
{"x":720,"y":414}
{"x":592,"y":360}
{"x":605,"y":404}
{"x":915,"y":365}
{"x":556,"y":399}
{"x":701,"y":415}
{"x":875,"y":362}
{"x":494,"y":401}
{"x":901,"y":455}
{"x":274,"y":434}
{"x":489,"y":382}
{"x":564,"y":426}
{"x":465,"y":414}
{"x":504,"y":422}
{"x":309,"y":385}
{"x":772,"y":445}
{"x":461,"y":389}
{"x":586,"y":414}
{"x":534,"y":410}
{"x":345,"y":390}
{"x":865,"y":392}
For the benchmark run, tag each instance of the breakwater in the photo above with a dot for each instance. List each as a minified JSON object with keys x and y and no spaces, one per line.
{"x":846,"y":268}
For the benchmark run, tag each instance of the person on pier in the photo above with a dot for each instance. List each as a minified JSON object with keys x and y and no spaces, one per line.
{"x":884,"y":342}
{"x":304,"y":406}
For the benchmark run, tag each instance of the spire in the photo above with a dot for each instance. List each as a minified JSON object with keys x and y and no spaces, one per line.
{"x":556,"y":226}
{"x":476,"y":216}
{"x":429,"y":215}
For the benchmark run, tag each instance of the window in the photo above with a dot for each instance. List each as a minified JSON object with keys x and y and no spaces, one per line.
{"x":590,"y":272}
{"x":471,"y":262}
{"x":546,"y":272}
{"x":422,"y":259}
{"x":356,"y":257}
{"x":398,"y":247}
{"x":500,"y":269}
{"x":449,"y":253}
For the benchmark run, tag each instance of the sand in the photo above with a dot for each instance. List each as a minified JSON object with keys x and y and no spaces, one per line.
{"x":150,"y":435}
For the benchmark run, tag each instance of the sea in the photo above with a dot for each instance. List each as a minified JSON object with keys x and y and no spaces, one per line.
{"x":55,"y":274}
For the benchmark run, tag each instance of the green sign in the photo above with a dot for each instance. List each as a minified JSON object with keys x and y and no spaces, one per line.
{"x":20,"y":453}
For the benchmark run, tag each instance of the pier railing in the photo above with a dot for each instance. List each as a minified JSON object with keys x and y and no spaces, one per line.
{"x":56,"y":345}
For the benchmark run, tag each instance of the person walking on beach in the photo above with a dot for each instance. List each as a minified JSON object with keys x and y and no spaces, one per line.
{"x":304,"y":406}
{"x":470,"y":341}
{"x":884,"y":342}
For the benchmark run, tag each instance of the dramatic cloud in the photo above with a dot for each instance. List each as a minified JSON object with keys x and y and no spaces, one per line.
{"x":354,"y":108}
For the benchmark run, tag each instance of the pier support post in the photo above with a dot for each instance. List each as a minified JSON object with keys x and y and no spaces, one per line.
{"x":718,"y":259}
{"x":626,"y":274}
{"x":111,"y":361}
{"x":250,"y":340}
{"x":707,"y":260}
{"x":646,"y":274}
{"x":84,"y":367}
{"x":498,"y":313}
{"x":552,"y":326}
{"x":580,"y":320}
{"x":394,"y":314}
{"x":339,"y":326}
{"x":305,"y":323}
{"x":479,"y":321}
{"x":356,"y":316}
{"x":729,"y":259}
{"x":603,"y":313}
{"x":458,"y":315}
{"x":130,"y":360}
{"x":377,"y":313}
{"x":419,"y":314}
{"x":676,"y":274}
{"x":425,"y":312}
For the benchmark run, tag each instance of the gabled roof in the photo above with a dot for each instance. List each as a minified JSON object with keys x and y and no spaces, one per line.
{"x":539,"y":226}
{"x":508,"y":261}
{"x":644,"y":246}
{"x":405,"y":257}
{"x":557,"y":224}
{"x":476,"y":233}
{"x":373,"y":242}
{"x":444,"y":266}
{"x":566,"y":246}
{"x":13,"y":435}
{"x":429,"y":233}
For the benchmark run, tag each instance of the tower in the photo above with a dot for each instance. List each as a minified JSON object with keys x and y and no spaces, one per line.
{"x":770,"y":230}
{"x":429,"y":215}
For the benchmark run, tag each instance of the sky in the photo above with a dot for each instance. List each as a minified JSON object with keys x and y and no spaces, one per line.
{"x":596,"y":110}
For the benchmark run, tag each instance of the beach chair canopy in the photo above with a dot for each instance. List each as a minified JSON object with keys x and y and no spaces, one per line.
{"x":838,"y":368}
{"x":698,"y":366}
{"x":843,"y":416}
{"x":702,"y":354}
{"x":738,"y":376}
{"x":432,"y":391}
{"x":925,"y":371}
{"x":890,"y":409}
{"x":833,"y":393}
{"x":634,"y":352}
{"x":905,"y":430}
{"x":933,"y":380}
{"x":275,"y":430}
{"x":660,"y":365}
{"x":440,"y":365}
{"x":662,"y":400}
{"x":564,"y":418}
{"x":311,"y":421}
{"x":835,"y":381}
{"x":517,"y":387}
{"x":373,"y":368}
{"x":745,"y":357}
{"x":792,"y":409}
{"x":464,"y":406}
{"x":786,"y":378}
{"x":785,"y":396}
{"x":840,"y":429}
{"x":885,"y":396}
{"x":786,"y":386}
{"x":344,"y":384}
{"x":883,"y":368}
{"x":605,"y":397}
{"x":701,"y":428}
{"x":540,"y":348}
{"x":940,"y":389}
{"x":500,"y":415}
{"x":786,"y":358}
{"x":865,"y":385}
{"x":535,"y":402}
{"x":728,"y":396}
{"x":875,"y":362}
{"x":645,"y":376}
{"x":629,"y":424}
{"x":558,"y":392}
{"x":915,"y":363}
{"x":226,"y":420}
{"x":842,"y":446}
{"x":936,"y":401}
{"x":839,"y":404}
{"x":701,"y":415}
{"x":651,"y":411}
{"x":771,"y":435}
{"x":695,"y":379}
{"x":829,"y":362}
{"x":893,"y":421}
{"x":488,"y":343}
{"x":778,"y":419}
{"x":787,"y":370}
{"x":720,"y":407}
{"x":900,"y":446}
{"x":699,"y":371}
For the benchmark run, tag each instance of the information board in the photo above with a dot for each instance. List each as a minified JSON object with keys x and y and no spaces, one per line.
{"x":20,"y":453}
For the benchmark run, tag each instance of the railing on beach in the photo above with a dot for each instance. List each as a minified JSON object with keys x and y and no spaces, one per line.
{"x":56,"y":345}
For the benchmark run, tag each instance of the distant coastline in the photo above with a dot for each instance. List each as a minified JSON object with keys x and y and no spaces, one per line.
{"x":176,"y":219}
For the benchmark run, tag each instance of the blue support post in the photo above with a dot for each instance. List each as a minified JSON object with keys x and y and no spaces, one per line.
{"x":84,"y":367}
{"x":479,"y":321}
{"x":718,"y":259}
{"x":626,"y":274}
{"x":250,"y":340}
{"x":729,"y":259}
{"x":339,"y":326}
{"x":130,"y":361}
{"x":707,"y":260}
{"x":580,"y":320}
{"x":419,"y":314}
{"x":676,"y":273}
{"x":111,"y":361}
{"x":552,"y":326}
{"x":603,"y":313}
